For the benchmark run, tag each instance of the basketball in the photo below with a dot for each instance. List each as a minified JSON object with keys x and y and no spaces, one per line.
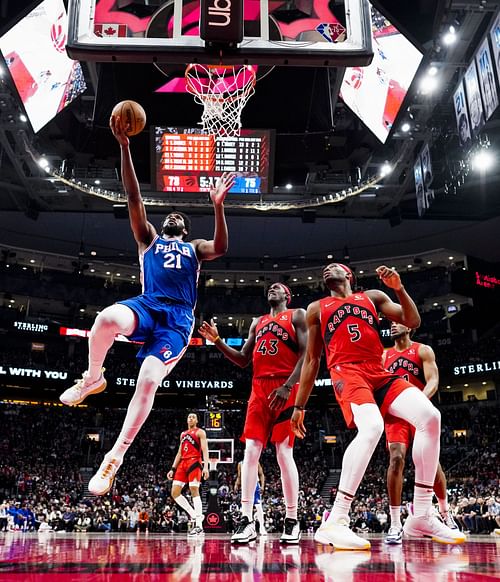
{"x":132,"y":116}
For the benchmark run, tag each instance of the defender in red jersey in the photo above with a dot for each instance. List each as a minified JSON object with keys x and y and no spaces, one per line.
{"x":416,"y":363}
{"x":345,"y":324}
{"x":275,"y":345}
{"x":187,"y":468}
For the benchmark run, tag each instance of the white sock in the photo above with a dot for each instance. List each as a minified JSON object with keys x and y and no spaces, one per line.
{"x":340,"y":509}
{"x":422,"y":500}
{"x":112,"y":320}
{"x":198,"y":508}
{"x":150,"y":376}
{"x":249,"y":476}
{"x":260,"y":516}
{"x":184,"y":503}
{"x":395,"y":511}
{"x":289,"y":477}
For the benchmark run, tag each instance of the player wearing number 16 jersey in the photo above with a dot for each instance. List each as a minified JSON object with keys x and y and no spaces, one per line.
{"x":345,"y":325}
{"x":161,"y":317}
{"x":275,"y":345}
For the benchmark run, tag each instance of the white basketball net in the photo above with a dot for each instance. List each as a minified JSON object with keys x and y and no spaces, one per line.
{"x":223,"y":90}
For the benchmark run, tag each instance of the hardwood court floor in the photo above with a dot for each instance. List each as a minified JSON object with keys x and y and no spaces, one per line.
{"x":66,"y":557}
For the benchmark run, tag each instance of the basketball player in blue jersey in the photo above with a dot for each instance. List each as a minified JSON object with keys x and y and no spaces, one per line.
{"x":161,"y":317}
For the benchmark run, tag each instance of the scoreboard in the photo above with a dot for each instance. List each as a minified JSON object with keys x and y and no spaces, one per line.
{"x":188,"y":160}
{"x":214,"y":420}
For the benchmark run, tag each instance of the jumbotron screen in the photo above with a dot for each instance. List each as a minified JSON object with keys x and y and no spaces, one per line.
{"x":188,"y":160}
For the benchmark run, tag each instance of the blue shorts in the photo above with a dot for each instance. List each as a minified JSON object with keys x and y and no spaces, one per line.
{"x":165,"y":328}
{"x":256,"y":497}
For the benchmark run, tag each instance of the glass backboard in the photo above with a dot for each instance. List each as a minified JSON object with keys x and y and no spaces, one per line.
{"x":275,"y":32}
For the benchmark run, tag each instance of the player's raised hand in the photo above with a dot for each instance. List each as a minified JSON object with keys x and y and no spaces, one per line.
{"x":297,"y":422}
{"x":389,"y":277}
{"x":225,"y":183}
{"x":118,"y":129}
{"x":209,"y":331}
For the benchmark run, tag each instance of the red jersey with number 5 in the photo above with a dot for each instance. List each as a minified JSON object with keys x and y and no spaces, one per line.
{"x":407,"y":364}
{"x":350,"y":330}
{"x":276,"y":350}
{"x":190,"y":444}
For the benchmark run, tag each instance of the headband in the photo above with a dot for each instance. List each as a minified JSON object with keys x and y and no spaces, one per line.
{"x":349,"y":272}
{"x":287,"y":292}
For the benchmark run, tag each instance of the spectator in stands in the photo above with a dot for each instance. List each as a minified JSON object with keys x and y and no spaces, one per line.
{"x":143,"y":521}
{"x":83,"y":522}
{"x":68,"y":519}
{"x":3,"y":516}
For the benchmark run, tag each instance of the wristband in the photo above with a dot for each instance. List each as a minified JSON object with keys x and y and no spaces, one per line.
{"x":173,"y":469}
{"x":216,"y":339}
{"x":300,"y":407}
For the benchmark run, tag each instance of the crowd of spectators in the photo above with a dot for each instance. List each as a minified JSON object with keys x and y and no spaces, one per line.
{"x":42,"y":450}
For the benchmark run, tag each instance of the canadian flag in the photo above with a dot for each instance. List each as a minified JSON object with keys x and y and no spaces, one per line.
{"x":110,"y":30}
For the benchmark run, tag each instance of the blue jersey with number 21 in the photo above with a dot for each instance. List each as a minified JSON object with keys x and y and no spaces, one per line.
{"x":170,"y":270}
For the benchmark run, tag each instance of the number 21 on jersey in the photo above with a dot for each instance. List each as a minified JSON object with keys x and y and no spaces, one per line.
{"x":172,"y":261}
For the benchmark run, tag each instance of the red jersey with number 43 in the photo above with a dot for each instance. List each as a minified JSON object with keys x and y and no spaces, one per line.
{"x":190,"y":444}
{"x":350,"y":331}
{"x":407,"y":364}
{"x":276,"y":350}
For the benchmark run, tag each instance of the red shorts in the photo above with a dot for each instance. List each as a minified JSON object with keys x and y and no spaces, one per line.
{"x":363,"y":383}
{"x":398,"y":430}
{"x":261,"y":422}
{"x":188,"y":470}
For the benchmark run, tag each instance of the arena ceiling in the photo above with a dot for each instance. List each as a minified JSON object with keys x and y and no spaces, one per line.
{"x":40,"y":214}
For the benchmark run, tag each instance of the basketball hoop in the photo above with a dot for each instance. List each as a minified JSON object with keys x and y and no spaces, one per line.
{"x":223,"y":91}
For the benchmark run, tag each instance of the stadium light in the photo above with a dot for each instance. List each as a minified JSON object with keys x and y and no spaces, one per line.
{"x":483,"y":160}
{"x":385,"y":170}
{"x":450,"y":36}
{"x":406,"y":127}
{"x":428,"y":84}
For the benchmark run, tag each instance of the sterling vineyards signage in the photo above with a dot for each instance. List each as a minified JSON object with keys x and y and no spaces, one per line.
{"x":476,"y":368}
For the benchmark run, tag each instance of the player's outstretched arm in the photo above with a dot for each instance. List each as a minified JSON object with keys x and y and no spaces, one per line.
{"x":241,"y":358}
{"x":144,"y":231}
{"x":207,"y":250}
{"x":405,"y":311}
{"x":310,"y":368}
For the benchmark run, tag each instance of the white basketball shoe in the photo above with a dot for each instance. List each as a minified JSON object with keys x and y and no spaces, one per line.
{"x":102,"y":481}
{"x":340,"y":536}
{"x":82,"y":388}
{"x":430,"y":526}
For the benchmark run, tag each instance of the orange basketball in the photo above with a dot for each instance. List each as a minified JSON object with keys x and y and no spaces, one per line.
{"x":132,"y":115}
